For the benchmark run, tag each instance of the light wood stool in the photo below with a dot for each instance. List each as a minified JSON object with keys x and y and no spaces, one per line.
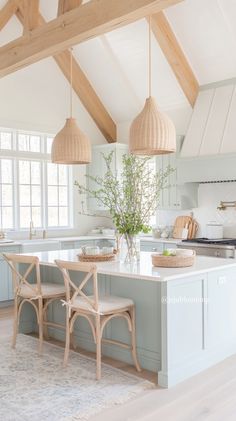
{"x":38,"y":294}
{"x":97,"y":310}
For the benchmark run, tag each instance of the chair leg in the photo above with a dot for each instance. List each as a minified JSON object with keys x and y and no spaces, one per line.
{"x":133,"y":339}
{"x":45,"y":319}
{"x":98,"y":347}
{"x":40,"y":315}
{"x":15,"y":322}
{"x":67,"y":344}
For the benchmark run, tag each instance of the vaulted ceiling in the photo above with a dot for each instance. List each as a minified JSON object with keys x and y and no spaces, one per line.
{"x":116,"y":63}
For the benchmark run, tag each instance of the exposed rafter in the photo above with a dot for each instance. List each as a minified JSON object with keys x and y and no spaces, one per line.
{"x":7,"y":12}
{"x":175,"y":56}
{"x":66,"y":5}
{"x":83,"y":89}
{"x":31,"y":14}
{"x":80,"y":24}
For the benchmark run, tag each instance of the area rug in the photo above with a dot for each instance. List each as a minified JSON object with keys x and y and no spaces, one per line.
{"x":38,"y":388}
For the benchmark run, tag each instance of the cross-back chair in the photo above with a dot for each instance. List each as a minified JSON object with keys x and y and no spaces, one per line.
{"x":98,"y":310}
{"x":38,"y":294}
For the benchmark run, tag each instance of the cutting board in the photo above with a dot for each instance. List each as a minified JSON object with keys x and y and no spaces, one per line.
{"x":193,"y":228}
{"x":180,"y":223}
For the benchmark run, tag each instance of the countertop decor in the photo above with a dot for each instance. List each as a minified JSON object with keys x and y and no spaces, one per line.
{"x":131,"y":196}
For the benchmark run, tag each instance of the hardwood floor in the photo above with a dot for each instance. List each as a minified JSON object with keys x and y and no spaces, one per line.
{"x":208,"y":396}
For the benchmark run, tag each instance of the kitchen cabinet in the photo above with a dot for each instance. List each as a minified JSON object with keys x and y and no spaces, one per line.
{"x":221,"y":307}
{"x":6,"y":287}
{"x":151,"y":246}
{"x":176,"y":196}
{"x":98,"y":168}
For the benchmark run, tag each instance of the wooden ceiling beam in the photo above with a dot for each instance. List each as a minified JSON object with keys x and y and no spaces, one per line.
{"x":66,"y":5}
{"x":7,"y":11}
{"x":80,"y":24}
{"x":83,"y":89}
{"x":31,"y":14}
{"x":175,"y":56}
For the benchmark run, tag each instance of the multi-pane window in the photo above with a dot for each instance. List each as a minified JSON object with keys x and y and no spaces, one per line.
{"x":6,"y":194}
{"x":31,"y":187}
{"x":30,"y":193}
{"x":29,"y":143}
{"x":6,"y":140}
{"x":58,"y":195}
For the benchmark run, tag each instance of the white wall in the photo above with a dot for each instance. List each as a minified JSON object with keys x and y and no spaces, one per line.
{"x":37,"y":99}
{"x":209,"y":197}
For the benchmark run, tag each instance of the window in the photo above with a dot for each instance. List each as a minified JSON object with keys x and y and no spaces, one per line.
{"x":6,"y":193}
{"x":30,"y":193}
{"x":57,"y":197}
{"x":31,"y":187}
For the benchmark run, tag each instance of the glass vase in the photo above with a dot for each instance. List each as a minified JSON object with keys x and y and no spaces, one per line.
{"x":130,"y":248}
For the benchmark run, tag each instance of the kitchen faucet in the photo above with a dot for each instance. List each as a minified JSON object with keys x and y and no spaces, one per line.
{"x":32,"y":231}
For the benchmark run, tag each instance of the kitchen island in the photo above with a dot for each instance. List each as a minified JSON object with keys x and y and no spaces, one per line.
{"x":185,"y":317}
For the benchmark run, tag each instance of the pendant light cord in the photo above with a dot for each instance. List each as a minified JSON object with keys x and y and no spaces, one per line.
{"x":71,"y":87}
{"x":149,"y":57}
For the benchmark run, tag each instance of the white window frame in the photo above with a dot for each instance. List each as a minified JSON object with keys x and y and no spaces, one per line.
{"x":15,"y":155}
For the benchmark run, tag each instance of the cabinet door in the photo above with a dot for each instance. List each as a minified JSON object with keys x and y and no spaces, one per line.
{"x":221,"y":307}
{"x":6,"y":286}
{"x":82,"y":243}
{"x":5,"y":278}
{"x":98,"y":168}
{"x":67,"y":245}
{"x":151,"y":246}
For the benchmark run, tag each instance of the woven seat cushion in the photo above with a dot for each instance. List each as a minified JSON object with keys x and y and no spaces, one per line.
{"x":48,"y":290}
{"x":107,"y":304}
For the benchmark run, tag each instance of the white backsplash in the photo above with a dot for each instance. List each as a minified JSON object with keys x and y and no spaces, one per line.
{"x":209,"y":197}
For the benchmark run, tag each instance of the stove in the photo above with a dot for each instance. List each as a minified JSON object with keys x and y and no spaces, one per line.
{"x":224,"y":247}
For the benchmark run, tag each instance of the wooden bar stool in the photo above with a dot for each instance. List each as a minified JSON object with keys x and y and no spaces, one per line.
{"x":97,"y":310}
{"x":38,"y":294}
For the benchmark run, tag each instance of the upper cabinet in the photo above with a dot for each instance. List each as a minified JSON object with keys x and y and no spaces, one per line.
{"x":176,"y":196}
{"x":98,"y":167}
{"x":212,"y":127}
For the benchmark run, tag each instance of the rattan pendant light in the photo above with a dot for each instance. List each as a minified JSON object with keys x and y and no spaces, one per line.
{"x":71,"y":145}
{"x":152,"y":132}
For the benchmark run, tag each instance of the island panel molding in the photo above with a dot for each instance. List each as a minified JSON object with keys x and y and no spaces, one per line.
{"x":83,"y":88}
{"x":80,"y":24}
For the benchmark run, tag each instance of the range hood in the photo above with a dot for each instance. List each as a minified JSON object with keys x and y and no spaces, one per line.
{"x":212,"y":128}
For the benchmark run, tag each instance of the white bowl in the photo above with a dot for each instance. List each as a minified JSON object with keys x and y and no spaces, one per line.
{"x":184,"y":252}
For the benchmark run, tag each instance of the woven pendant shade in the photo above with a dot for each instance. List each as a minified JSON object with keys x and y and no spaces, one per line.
{"x":152,"y":132}
{"x":71,"y":145}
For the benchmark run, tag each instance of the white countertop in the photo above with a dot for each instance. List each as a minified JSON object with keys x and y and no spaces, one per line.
{"x":144,"y":269}
{"x":82,"y":238}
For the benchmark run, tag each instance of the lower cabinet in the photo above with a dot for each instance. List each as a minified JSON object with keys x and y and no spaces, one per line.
{"x":151,"y":246}
{"x":6,"y":287}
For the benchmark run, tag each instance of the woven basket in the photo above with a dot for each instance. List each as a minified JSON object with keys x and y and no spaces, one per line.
{"x":96,"y":258}
{"x":173,"y":261}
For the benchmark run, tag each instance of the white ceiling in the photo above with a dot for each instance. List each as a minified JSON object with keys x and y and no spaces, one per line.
{"x":116,"y":63}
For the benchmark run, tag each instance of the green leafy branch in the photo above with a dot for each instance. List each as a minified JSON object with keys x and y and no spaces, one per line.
{"x":131,"y":196}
